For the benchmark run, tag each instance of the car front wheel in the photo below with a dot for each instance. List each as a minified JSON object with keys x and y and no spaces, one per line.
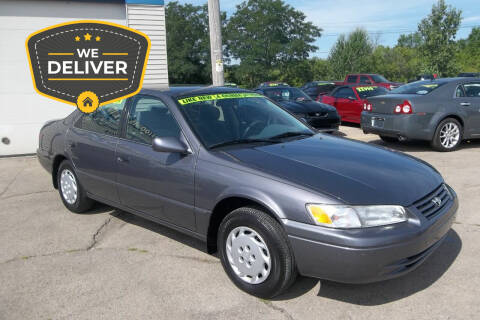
{"x":448,"y":135}
{"x":71,"y":191}
{"x":255,"y":253}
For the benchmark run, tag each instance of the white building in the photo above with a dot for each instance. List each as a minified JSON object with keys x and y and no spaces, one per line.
{"x":22,"y":110}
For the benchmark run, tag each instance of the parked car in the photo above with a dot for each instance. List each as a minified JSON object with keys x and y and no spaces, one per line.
{"x":233,"y":169}
{"x":369,"y":79}
{"x":316,"y":89}
{"x":273,"y":84}
{"x":443,"y":111}
{"x":350,"y":100}
{"x":318,"y":115}
{"x":425,"y":76}
{"x":470,"y":74}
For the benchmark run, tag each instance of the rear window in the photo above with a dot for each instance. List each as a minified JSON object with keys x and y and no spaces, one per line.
{"x":370,"y":91}
{"x":378,"y":78}
{"x":420,"y":87}
{"x":352,"y":78}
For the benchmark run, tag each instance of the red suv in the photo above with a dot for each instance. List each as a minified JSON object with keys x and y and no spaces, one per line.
{"x":370,"y":79}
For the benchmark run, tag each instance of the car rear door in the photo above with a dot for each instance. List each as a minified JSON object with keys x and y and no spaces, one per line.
{"x":469,"y":102}
{"x":91,"y":143}
{"x":158,"y":184}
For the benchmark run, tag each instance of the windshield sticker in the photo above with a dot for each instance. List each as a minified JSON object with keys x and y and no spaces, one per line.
{"x":218,"y":96}
{"x":430,"y":85}
{"x":361,"y":89}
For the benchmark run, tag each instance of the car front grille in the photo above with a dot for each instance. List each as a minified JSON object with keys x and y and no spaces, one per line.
{"x":433,"y":203}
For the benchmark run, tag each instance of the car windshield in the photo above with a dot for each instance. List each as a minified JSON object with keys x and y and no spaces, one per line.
{"x":378,"y":78}
{"x":419,"y":87}
{"x":286,"y":94}
{"x":370,"y":91}
{"x":239,"y":118}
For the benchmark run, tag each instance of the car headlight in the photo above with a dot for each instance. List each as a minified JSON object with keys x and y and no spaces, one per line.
{"x":343,"y":216}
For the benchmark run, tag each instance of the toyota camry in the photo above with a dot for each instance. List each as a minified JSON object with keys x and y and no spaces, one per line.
{"x":272,"y":196}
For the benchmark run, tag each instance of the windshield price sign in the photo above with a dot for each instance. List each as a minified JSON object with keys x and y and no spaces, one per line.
{"x":88,"y":63}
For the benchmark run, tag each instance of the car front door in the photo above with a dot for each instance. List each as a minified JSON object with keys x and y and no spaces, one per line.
{"x":158,"y":184}
{"x":344,"y":98}
{"x":91,"y":144}
{"x":468,"y":97}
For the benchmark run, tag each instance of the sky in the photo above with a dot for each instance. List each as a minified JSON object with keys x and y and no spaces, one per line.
{"x":385,"y":20}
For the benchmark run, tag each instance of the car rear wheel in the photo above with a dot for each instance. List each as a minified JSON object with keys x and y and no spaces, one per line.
{"x":255,"y":253}
{"x":71,"y":191}
{"x":389,"y":139}
{"x":448,"y":135}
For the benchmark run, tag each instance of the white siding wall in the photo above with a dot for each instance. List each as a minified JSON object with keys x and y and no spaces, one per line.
{"x":151,"y":20}
{"x":22,"y":110}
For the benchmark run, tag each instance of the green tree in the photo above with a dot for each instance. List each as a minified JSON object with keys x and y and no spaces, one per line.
{"x":188,"y":43}
{"x":468,"y":56}
{"x":438,"y":31}
{"x":266,"y":36}
{"x":397,"y":64}
{"x":351,"y":54}
{"x":412,"y":40}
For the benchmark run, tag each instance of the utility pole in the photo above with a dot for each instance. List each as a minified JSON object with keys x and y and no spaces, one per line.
{"x":216,"y":42}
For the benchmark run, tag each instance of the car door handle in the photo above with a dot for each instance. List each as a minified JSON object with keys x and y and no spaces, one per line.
{"x":122,"y":160}
{"x":465,"y":104}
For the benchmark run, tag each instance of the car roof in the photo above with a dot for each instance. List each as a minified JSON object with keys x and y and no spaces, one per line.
{"x":190,"y":91}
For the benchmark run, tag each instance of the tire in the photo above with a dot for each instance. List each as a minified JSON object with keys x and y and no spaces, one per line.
{"x":281,"y":272}
{"x":448,"y":126}
{"x":76,"y":203}
{"x":389,"y":139}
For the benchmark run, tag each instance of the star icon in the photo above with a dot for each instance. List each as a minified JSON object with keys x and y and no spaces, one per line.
{"x":97,"y":38}
{"x":77,"y":38}
{"x":87,"y":36}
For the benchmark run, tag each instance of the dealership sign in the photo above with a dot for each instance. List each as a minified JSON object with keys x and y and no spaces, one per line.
{"x":87,"y":63}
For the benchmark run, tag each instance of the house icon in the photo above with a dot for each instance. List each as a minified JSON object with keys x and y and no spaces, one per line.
{"x":87,"y":102}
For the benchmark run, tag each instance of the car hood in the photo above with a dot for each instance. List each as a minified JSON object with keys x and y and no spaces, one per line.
{"x":306,"y":106}
{"x":355,"y":172}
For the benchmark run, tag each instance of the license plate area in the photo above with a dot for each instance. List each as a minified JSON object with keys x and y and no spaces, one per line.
{"x":377,"y":122}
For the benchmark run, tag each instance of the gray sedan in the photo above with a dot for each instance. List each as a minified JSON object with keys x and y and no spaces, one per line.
{"x":242,"y":174}
{"x":444,"y":112}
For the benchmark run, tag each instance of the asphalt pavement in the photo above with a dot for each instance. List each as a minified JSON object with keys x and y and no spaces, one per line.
{"x":109,"y":264}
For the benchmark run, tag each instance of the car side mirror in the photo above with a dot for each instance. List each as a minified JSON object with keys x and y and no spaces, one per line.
{"x":169,"y":144}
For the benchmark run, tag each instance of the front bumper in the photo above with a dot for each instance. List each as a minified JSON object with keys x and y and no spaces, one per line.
{"x":410,"y":126}
{"x":330,"y":122}
{"x":370,"y":254}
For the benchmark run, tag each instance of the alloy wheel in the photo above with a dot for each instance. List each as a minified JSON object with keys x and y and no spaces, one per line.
{"x":449,"y":135}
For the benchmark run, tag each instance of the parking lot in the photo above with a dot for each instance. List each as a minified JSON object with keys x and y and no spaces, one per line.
{"x":110,"y":264}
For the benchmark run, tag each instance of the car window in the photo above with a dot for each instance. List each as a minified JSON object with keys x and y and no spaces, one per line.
{"x":286,"y":94}
{"x":378,"y":78}
{"x":104,"y":120}
{"x":149,"y":118}
{"x":459,"y":92}
{"x":419,"y":87}
{"x":365,"y":79}
{"x":352,"y":78}
{"x":370,"y":91}
{"x":472,"y":90}
{"x":245,"y":116}
{"x":344,"y":93}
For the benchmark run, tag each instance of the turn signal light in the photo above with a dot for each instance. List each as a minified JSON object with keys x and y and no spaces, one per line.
{"x":404,"y":108}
